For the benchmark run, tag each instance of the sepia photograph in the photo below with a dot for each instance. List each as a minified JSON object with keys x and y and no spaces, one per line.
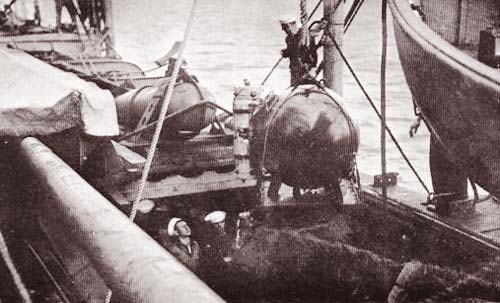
{"x":249,"y":151}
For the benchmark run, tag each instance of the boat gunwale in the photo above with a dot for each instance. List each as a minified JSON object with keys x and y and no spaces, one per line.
{"x":44,"y":38}
{"x":430,"y":40}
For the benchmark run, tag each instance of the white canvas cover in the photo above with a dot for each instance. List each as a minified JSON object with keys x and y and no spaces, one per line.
{"x":39,"y":99}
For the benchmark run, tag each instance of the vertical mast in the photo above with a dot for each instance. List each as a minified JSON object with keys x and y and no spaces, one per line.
{"x":333,"y":69}
{"x":383,"y":125}
{"x":108,"y":7}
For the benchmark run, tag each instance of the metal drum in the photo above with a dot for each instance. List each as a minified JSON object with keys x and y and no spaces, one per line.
{"x":131,"y":105}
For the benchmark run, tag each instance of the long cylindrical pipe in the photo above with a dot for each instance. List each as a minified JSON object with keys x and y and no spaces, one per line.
{"x":132,"y":264}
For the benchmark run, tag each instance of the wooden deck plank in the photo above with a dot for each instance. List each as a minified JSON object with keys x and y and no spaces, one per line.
{"x":177,"y":185}
{"x":482,"y":222}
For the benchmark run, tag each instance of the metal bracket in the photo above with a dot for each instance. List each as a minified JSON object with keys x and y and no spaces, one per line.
{"x":391,"y":179}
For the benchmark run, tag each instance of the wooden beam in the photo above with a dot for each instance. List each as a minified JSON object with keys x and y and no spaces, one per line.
{"x":177,"y":185}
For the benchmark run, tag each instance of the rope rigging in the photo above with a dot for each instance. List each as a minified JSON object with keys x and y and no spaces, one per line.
{"x":166,"y":96}
{"x":347,"y":22}
{"x":353,"y":11}
{"x":16,"y":277}
{"x":383,"y":124}
{"x":393,"y":138}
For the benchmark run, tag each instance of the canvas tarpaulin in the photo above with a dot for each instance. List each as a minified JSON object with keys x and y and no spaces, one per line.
{"x":38,"y":99}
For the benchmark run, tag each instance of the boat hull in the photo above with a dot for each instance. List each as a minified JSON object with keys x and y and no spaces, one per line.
{"x":457,"y":95}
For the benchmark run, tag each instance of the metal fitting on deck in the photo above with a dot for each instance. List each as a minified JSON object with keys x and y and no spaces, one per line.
{"x":245,"y":101}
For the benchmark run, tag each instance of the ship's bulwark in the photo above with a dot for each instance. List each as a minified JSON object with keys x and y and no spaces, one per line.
{"x":457,"y":94}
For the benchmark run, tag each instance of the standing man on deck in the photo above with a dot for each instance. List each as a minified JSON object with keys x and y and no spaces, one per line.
{"x":217,"y":253}
{"x":220,"y":240}
{"x":87,"y":12}
{"x":14,"y":14}
{"x":302,"y":57}
{"x":72,"y":10}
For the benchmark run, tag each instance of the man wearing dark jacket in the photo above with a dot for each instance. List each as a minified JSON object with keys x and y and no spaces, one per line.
{"x":302,"y":57}
{"x":72,"y":10}
{"x":187,"y":251}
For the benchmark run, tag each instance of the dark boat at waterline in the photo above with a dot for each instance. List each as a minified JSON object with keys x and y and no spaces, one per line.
{"x":449,"y":64}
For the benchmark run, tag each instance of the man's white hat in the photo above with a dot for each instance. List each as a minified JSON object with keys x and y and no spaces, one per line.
{"x":215,"y":217}
{"x":171,"y":225}
{"x":145,"y":206}
{"x":287,"y":19}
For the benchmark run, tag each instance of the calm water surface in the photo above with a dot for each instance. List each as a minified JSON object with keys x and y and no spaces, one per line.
{"x":237,"y":39}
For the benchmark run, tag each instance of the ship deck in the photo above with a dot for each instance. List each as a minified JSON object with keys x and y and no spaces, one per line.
{"x":477,"y":223}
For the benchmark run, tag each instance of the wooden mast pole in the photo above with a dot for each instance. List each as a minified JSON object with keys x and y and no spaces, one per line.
{"x":383,"y":125}
{"x":108,"y":6}
{"x":333,"y":69}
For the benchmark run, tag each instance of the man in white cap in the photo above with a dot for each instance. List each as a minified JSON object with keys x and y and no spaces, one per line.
{"x":302,"y":57}
{"x":221,"y":241}
{"x":216,"y":253}
{"x":218,"y":219}
{"x":186,"y":250}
